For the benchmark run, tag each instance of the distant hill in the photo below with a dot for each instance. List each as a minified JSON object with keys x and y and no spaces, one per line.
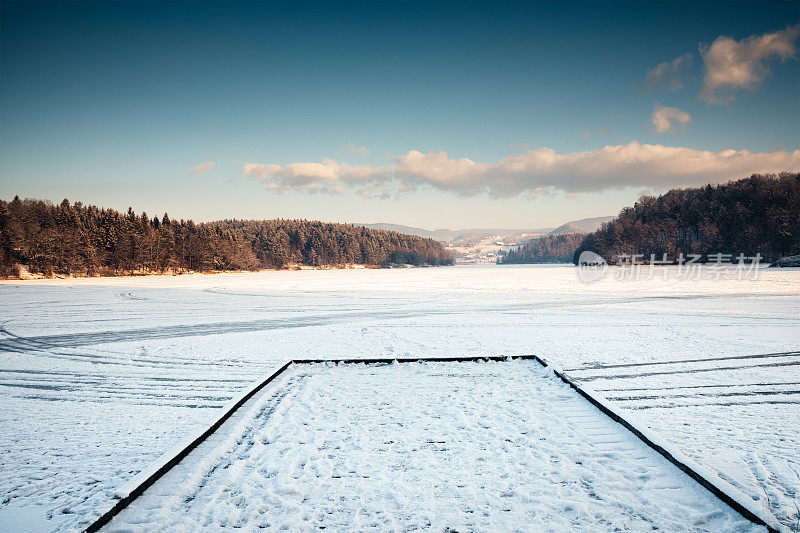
{"x":568,"y":228}
{"x":755,"y":215}
{"x":584,"y":225}
{"x":458,"y":236}
{"x":439,"y":234}
{"x":451,"y":235}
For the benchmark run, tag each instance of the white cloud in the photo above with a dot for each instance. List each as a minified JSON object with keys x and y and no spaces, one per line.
{"x":363,"y":151}
{"x":668,"y":76}
{"x":664,"y":118}
{"x":203,"y":167}
{"x":326,"y":176}
{"x":530,"y":173}
{"x":733,"y":65}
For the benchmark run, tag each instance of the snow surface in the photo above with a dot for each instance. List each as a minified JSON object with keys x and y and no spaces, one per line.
{"x":493,"y":446}
{"x":99,"y":377}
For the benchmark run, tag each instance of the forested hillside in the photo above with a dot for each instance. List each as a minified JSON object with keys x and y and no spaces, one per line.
{"x":546,"y":249}
{"x":759,"y":214}
{"x":88,"y":240}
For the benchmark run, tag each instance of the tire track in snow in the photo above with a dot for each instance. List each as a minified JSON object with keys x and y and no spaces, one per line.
{"x":702,"y":395}
{"x":27,"y":345}
{"x":687,"y":371}
{"x":16,"y":343}
{"x":652,"y":363}
{"x":727,"y":385}
{"x":704,"y":404}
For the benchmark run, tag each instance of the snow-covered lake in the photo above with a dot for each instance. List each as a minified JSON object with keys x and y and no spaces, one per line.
{"x":99,"y":377}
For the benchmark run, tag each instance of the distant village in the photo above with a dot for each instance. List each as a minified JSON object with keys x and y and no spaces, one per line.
{"x":486,"y":250}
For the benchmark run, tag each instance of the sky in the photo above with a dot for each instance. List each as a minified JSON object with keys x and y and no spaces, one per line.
{"x":436,"y":115}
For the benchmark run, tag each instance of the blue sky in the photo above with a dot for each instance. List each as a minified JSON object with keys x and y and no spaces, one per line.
{"x":343,"y":111}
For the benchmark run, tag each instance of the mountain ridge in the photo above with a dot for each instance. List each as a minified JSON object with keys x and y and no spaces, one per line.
{"x":587,"y":225}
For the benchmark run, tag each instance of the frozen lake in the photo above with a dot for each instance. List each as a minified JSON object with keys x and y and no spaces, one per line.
{"x":99,"y":377}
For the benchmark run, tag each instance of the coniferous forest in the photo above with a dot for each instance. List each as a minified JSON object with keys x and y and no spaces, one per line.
{"x":73,"y":239}
{"x":545,"y":249}
{"x":755,"y":215}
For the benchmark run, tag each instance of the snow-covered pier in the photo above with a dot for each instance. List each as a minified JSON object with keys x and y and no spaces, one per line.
{"x":467,"y":445}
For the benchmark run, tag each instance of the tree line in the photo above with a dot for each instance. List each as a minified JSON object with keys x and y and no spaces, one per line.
{"x":558,"y":248}
{"x":73,"y":239}
{"x":755,"y":215}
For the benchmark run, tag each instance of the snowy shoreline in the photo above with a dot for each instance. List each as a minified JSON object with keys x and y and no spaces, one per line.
{"x":38,"y":277}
